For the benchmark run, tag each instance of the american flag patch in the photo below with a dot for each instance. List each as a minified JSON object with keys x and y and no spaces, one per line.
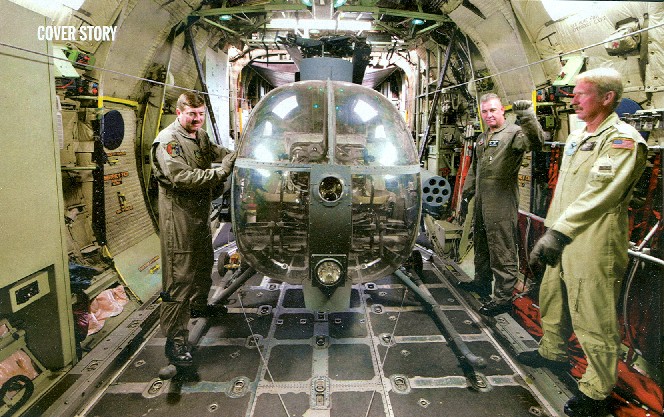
{"x":623,"y":144}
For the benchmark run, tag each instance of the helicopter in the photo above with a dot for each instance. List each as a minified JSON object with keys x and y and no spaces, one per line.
{"x":326,"y":189}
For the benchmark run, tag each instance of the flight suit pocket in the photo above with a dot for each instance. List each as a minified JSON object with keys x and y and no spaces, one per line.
{"x":579,"y":160}
{"x":603,"y":170}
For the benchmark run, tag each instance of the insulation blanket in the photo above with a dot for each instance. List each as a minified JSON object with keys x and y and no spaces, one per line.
{"x":109,"y":303}
{"x":18,"y":363}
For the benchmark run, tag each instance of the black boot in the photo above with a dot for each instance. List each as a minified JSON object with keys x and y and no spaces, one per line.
{"x":533,"y":359}
{"x":581,"y":405}
{"x":481,"y":289}
{"x":492,"y":308}
{"x":178,"y":353}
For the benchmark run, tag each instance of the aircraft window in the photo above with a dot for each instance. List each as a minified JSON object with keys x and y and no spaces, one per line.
{"x":288,"y":125}
{"x":286,"y":132}
{"x":269,"y":210}
{"x":370,"y":130}
{"x":385,"y":212}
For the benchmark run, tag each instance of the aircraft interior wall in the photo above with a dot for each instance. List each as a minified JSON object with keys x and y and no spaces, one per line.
{"x":86,"y":197}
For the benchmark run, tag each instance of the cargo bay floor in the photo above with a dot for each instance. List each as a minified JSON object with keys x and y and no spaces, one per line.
{"x":270,"y":357}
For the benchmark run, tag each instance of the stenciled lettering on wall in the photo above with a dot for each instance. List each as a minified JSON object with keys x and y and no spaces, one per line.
{"x":524,"y":180}
{"x":116,"y":178}
{"x":123,"y":204}
{"x":112,"y":160}
{"x":72,"y":33}
{"x":148,"y":263}
{"x":588,"y":22}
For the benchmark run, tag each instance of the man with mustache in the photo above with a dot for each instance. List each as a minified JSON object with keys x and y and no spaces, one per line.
{"x":585,"y":246}
{"x":182,"y":156}
{"x":493,"y":181}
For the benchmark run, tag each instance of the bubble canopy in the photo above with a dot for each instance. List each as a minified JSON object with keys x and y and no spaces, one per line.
{"x":326,"y":170}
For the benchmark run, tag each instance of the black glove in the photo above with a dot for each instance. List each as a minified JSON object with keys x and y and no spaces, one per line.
{"x":227,"y":164}
{"x":523,"y":108}
{"x":463,"y":210}
{"x":466,"y":196}
{"x":548,"y":249}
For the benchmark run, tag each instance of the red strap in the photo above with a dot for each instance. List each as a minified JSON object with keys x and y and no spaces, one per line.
{"x":466,"y":159}
{"x":635,"y":395}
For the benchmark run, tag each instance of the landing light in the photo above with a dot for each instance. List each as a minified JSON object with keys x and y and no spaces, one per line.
{"x":328,"y":272}
{"x":417,"y":22}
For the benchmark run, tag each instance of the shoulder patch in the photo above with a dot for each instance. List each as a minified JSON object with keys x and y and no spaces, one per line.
{"x":173,"y":148}
{"x":623,"y":143}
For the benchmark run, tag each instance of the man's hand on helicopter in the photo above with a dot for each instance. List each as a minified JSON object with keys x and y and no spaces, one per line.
{"x":227,"y":164}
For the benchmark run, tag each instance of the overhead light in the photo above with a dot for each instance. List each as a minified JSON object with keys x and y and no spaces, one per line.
{"x":320,"y":24}
{"x":50,"y":8}
{"x":417,"y":22}
{"x":72,"y":4}
{"x":559,"y":9}
{"x":285,"y":106}
{"x":364,"y":111}
{"x":338,"y":3}
{"x":307,"y":3}
{"x":225,"y":17}
{"x":263,"y":154}
{"x":380,"y":132}
{"x":388,"y":156}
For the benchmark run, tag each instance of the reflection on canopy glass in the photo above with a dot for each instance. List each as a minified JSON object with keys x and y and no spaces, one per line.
{"x":334,"y":149}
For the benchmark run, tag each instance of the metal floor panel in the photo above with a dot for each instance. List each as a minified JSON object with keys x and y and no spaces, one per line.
{"x":271,"y":357}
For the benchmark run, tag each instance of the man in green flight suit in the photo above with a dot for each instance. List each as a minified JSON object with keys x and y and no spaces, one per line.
{"x":493,"y":181}
{"x":585,"y":246}
{"x":182,"y":156}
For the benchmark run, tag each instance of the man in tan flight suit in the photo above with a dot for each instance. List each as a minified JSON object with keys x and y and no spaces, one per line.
{"x":493,"y":181}
{"x":585,"y":246}
{"x":182,"y":156}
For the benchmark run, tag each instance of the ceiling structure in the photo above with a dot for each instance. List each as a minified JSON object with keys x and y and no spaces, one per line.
{"x":369,"y":32}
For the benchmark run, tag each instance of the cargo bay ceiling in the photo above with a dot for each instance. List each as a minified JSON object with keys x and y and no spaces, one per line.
{"x":514,"y":46}
{"x":373,"y":34}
